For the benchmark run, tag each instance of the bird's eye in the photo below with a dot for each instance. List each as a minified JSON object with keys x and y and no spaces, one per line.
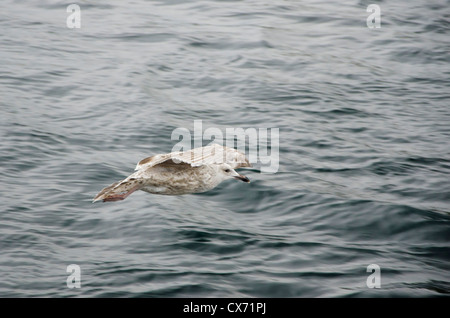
{"x":227,"y":170}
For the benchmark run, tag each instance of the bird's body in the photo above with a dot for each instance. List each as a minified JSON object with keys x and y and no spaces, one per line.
{"x":174,"y":179}
{"x":177,"y":173}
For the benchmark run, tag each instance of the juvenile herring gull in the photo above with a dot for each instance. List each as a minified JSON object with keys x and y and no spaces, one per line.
{"x":194,"y":171}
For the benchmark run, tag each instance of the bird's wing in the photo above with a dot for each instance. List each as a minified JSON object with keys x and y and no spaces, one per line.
{"x":152,"y":161}
{"x":213,"y":154}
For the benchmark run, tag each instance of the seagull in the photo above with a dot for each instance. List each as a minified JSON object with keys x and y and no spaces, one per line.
{"x":177,"y":173}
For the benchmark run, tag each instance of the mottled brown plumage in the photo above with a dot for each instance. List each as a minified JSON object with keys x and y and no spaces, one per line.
{"x":177,"y":173}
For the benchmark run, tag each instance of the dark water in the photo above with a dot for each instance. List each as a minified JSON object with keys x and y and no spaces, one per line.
{"x":364,"y":148}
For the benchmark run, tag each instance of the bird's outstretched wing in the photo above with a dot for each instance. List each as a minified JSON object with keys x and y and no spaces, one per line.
{"x":213,"y":154}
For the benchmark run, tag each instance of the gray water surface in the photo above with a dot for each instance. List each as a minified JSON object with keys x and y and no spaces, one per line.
{"x":364,"y":166}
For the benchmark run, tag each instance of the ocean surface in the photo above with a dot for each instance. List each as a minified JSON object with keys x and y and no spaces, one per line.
{"x":364,"y":148}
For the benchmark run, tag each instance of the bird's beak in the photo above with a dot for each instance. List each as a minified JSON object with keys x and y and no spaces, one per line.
{"x":242,"y":178}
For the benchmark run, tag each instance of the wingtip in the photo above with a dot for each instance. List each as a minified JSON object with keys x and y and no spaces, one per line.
{"x":98,"y":197}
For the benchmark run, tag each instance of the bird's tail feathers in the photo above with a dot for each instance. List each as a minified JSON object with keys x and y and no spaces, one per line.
{"x":118,"y":190}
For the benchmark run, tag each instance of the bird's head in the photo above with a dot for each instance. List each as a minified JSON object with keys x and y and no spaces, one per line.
{"x":228,"y":172}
